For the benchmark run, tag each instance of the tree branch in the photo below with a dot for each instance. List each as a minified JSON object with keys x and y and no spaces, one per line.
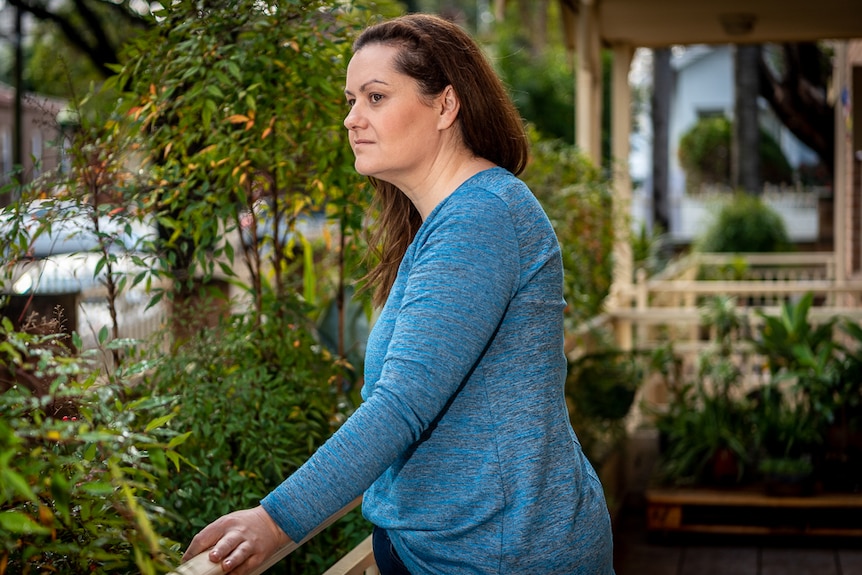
{"x":91,"y":37}
{"x":797,"y":99}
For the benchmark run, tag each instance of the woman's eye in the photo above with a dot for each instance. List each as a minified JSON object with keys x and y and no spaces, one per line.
{"x":351,"y":102}
{"x":376,"y":98}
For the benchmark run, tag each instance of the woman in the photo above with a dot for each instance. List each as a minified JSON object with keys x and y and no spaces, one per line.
{"x":462,"y":445}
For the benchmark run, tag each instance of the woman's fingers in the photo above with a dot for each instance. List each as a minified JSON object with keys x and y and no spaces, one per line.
{"x":205,"y":539}
{"x":241,"y":559}
{"x":239,"y":541}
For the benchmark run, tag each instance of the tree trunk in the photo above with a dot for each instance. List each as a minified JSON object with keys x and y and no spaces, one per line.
{"x":660,"y":111}
{"x":745,"y":148}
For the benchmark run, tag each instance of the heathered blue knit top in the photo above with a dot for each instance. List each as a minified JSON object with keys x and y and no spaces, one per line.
{"x":463,"y":445}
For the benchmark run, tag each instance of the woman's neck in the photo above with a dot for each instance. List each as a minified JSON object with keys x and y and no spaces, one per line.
{"x":439,"y":184}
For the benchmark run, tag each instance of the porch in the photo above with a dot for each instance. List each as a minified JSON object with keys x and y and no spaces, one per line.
{"x":663,"y":306}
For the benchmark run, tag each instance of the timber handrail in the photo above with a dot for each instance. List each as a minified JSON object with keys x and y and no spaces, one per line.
{"x":201,"y":565}
{"x":752,"y":287}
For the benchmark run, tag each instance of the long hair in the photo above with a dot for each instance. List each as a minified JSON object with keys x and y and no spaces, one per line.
{"x":437,"y":53}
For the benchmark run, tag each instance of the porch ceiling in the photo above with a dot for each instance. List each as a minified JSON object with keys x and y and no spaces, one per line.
{"x":656,"y":23}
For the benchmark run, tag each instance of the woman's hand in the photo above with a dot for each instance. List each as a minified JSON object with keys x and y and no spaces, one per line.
{"x":240,"y":541}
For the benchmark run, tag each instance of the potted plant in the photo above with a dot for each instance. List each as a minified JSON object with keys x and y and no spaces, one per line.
{"x":785,"y":438}
{"x":787,"y":476}
{"x":840,"y":460}
{"x":703,"y":439}
{"x":704,"y":430}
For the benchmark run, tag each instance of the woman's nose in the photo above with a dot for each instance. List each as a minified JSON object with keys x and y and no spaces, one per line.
{"x":352,"y":120}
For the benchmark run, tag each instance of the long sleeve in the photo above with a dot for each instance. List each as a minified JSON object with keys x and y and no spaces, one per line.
{"x":463,"y":271}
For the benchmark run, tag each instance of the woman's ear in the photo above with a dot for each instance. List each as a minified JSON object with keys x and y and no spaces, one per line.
{"x":450,"y":105}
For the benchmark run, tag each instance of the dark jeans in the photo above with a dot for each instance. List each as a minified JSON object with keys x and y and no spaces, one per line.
{"x":385,"y":555}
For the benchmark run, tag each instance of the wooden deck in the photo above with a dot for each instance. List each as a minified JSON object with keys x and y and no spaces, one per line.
{"x":638,"y":552}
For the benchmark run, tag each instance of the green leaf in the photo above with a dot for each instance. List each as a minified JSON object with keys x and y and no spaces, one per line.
{"x":157,"y":457}
{"x":60,"y":493}
{"x":214,"y":91}
{"x":158,"y":422}
{"x":21,"y":523}
{"x":98,"y":488}
{"x":100,"y":265}
{"x":179,"y":439}
{"x":17,"y":483}
{"x":234,"y":70}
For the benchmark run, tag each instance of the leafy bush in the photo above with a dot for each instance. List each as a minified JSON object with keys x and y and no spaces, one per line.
{"x":600,"y":390}
{"x":540,"y":85}
{"x":538,"y":70}
{"x":745,"y":224}
{"x":259,"y":395}
{"x":578,"y":201}
{"x":603,"y":384}
{"x":705,"y":151}
{"x":79,"y":464}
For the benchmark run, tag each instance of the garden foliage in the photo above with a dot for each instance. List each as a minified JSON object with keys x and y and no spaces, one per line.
{"x":80,"y":461}
{"x":578,"y":200}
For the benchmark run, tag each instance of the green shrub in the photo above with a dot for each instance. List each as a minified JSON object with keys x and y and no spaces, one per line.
{"x":578,"y":200}
{"x":600,"y":391}
{"x":744,"y":225}
{"x":79,"y":464}
{"x":705,"y":152}
{"x":259,"y":395}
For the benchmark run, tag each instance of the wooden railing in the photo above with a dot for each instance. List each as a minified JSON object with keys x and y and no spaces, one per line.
{"x":359,"y":561}
{"x":674,"y":298}
{"x":669,"y":307}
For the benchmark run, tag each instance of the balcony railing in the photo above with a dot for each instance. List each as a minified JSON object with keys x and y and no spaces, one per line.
{"x":669,"y":307}
{"x":359,"y":561}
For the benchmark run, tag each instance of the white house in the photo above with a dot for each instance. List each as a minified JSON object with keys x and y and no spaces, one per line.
{"x":703,"y":86}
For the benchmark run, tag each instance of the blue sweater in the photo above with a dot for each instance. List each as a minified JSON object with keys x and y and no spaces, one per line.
{"x":463,"y":445}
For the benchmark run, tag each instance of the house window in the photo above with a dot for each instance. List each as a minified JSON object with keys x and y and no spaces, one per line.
{"x":706,"y":113}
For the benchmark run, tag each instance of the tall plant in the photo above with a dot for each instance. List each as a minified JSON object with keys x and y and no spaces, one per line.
{"x":239,"y":109}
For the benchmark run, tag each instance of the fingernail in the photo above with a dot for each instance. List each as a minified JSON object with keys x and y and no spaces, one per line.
{"x":228,"y":563}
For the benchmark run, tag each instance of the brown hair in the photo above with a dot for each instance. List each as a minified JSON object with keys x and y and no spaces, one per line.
{"x":438,"y":53}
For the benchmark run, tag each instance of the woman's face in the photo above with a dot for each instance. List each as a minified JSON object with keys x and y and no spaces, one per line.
{"x":394,"y":130}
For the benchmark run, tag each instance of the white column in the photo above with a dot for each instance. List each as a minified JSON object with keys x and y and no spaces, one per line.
{"x":621,"y":127}
{"x":588,"y":79}
{"x":841,"y":217}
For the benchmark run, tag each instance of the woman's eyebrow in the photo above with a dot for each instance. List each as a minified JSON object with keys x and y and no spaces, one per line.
{"x":364,"y":86}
